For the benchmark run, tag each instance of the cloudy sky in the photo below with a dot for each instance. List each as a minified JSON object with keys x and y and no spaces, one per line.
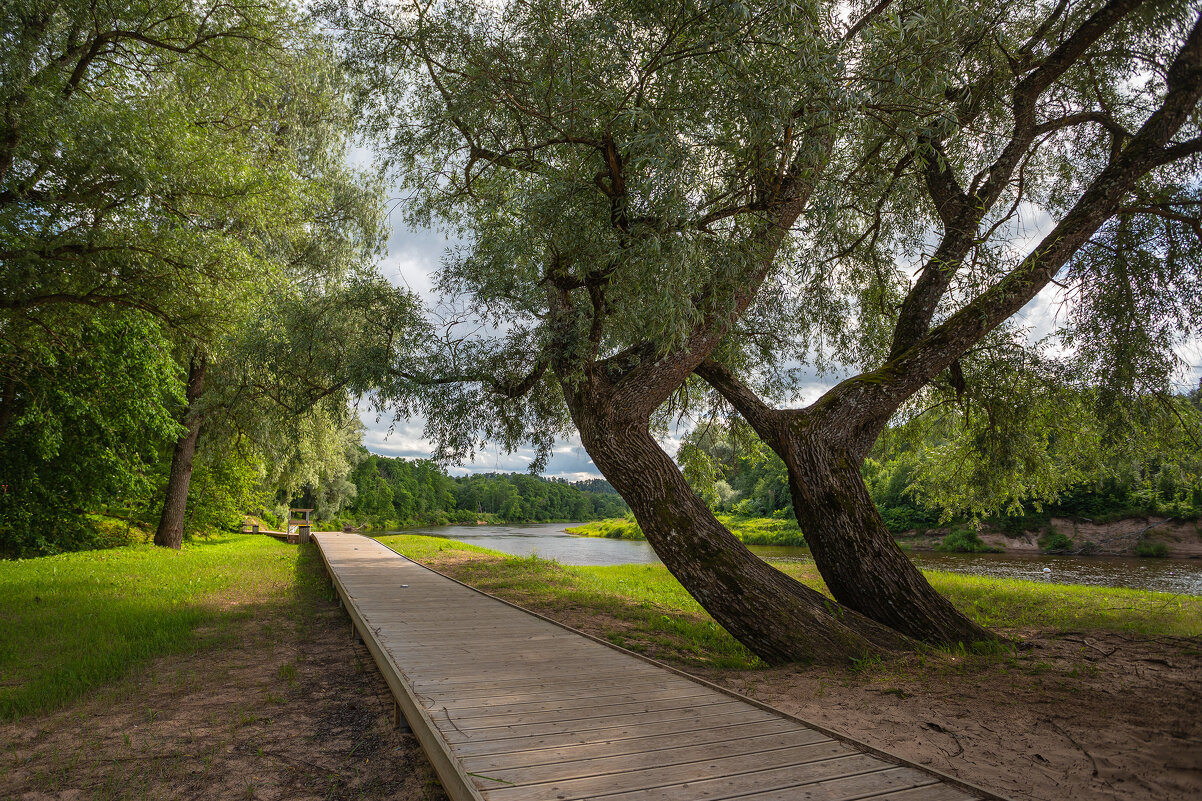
{"x":414,"y":255}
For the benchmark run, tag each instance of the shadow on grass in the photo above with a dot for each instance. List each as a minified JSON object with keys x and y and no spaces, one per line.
{"x":72,"y":623}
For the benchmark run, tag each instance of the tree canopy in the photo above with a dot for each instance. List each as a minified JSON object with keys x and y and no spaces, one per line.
{"x":183,"y":243}
{"x":732,"y":189}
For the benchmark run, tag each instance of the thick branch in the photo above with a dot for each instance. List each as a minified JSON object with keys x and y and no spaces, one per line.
{"x":962,"y":212}
{"x":879,"y":393}
{"x":762,"y":417}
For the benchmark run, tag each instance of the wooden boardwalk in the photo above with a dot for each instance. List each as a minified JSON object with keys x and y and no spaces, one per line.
{"x":510,"y":706}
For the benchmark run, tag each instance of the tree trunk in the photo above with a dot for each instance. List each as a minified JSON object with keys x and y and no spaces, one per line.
{"x":170,"y":533}
{"x":860,"y":562}
{"x":858,"y":558}
{"x":777,"y":618}
{"x":8,"y":402}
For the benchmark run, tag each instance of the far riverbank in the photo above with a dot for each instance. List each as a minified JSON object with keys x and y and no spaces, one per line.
{"x":1131,"y":536}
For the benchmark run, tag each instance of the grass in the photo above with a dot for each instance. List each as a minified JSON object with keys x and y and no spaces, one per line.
{"x":749,"y":530}
{"x":648,"y":598}
{"x":76,"y":621}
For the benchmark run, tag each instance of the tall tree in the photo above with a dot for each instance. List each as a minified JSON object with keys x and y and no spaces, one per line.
{"x":187,"y":162}
{"x":644,"y":185}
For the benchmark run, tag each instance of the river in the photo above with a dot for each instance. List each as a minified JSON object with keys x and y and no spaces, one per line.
{"x":550,"y":541}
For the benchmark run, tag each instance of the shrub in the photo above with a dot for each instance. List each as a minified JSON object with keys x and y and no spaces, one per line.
{"x":1156,"y":550}
{"x":1055,"y":542}
{"x":964,"y":540}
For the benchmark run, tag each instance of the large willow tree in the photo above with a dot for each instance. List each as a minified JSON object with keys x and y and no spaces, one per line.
{"x":651,"y":190}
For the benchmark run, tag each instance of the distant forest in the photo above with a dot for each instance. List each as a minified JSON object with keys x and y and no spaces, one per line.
{"x":398,"y":492}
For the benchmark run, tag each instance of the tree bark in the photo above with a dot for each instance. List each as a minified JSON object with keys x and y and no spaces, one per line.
{"x":776,"y":617}
{"x":170,"y":533}
{"x":862,"y":565}
{"x":859,"y":560}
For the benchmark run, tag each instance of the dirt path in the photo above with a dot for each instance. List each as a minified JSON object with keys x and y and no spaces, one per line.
{"x":287,"y":709}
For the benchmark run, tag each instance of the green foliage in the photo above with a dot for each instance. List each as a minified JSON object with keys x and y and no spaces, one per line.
{"x":179,"y":170}
{"x":964,"y":540}
{"x":156,"y":156}
{"x":749,"y":530}
{"x":88,"y":416}
{"x":1156,"y":550}
{"x":1055,"y":542}
{"x":734,"y":471}
{"x":615,"y":529}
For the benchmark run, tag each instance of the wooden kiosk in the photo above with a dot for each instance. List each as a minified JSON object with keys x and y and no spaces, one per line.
{"x":299,"y":525}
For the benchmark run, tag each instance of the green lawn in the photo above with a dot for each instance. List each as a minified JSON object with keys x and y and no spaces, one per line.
{"x":77,"y":621}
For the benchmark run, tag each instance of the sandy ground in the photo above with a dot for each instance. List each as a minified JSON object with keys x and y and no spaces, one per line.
{"x":285,"y":709}
{"x":1077,"y":716}
{"x":1182,"y":539}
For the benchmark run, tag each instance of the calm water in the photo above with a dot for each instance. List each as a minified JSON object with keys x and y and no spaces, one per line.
{"x":550,"y":541}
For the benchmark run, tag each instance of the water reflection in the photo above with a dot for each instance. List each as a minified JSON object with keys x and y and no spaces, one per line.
{"x":551,"y":541}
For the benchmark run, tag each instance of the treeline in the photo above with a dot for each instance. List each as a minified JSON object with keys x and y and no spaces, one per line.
{"x":398,"y":492}
{"x":940,"y":468}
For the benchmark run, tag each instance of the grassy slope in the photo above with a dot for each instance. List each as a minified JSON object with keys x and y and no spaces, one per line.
{"x":648,"y":598}
{"x":75,"y":621}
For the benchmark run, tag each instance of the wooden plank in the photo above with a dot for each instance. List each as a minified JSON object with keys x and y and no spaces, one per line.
{"x":619,"y":698}
{"x":564,"y":726}
{"x":579,"y":711}
{"x":466,"y":677}
{"x":932,"y":792}
{"x":497,"y":696}
{"x":718,"y":778}
{"x":838,"y":780}
{"x":528,"y":754}
{"x":691,"y":724}
{"x":801,"y":745}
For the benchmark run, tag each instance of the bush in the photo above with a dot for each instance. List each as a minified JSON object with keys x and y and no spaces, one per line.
{"x":1155,"y":550}
{"x":964,"y":540}
{"x":906,"y":518}
{"x":1055,"y":542}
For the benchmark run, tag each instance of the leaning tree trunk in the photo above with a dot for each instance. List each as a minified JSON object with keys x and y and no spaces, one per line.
{"x":776,"y":617}
{"x":862,"y":565}
{"x":170,"y":533}
{"x":859,"y":560}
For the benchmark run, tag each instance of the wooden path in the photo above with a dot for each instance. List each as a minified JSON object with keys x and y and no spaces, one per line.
{"x":510,"y":706}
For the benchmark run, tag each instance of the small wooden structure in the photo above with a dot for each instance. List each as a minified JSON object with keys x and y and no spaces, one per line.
{"x":299,"y":527}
